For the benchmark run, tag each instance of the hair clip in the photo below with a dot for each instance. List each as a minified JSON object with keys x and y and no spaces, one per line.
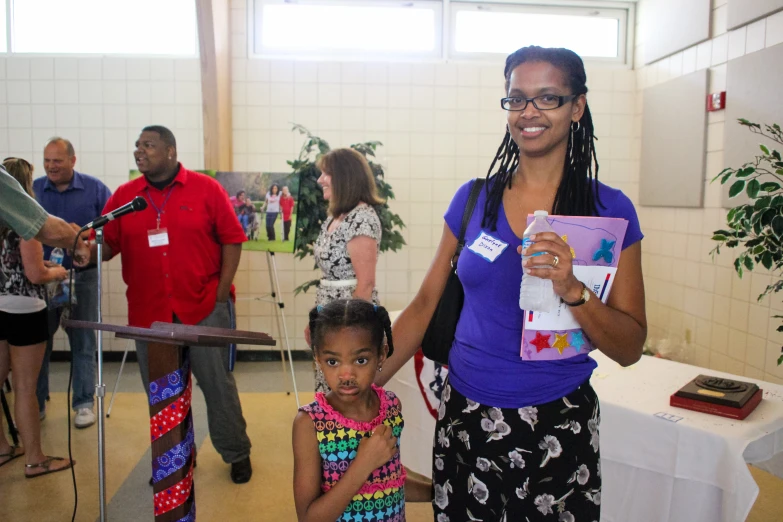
{"x":319,"y":308}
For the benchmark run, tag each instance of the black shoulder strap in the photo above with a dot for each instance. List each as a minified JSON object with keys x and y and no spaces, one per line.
{"x":474,"y":195}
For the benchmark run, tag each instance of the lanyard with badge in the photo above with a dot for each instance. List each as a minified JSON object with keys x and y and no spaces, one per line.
{"x":159,"y":236}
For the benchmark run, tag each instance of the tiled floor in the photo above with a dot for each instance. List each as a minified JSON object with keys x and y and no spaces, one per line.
{"x":268,"y":496}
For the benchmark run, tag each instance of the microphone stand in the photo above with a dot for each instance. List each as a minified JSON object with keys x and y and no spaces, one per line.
{"x":100,"y":388}
{"x":137,"y":204}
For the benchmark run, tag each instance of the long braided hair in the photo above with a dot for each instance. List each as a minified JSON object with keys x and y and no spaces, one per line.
{"x":577,"y":194}
{"x":351,"y":313}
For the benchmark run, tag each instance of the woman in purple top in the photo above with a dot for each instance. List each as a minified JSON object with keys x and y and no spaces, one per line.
{"x":521,"y":436}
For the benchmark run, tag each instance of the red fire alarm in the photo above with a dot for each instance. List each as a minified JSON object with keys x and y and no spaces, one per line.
{"x":716,"y":101}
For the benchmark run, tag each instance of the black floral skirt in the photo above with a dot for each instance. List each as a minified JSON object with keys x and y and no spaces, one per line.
{"x":517,"y":465}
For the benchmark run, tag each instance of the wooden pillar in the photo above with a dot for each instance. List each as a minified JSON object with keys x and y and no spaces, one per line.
{"x":214,"y":37}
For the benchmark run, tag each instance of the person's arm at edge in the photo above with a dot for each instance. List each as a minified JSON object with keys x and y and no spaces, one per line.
{"x":408,"y":330}
{"x":35,"y":270}
{"x":364,"y":257}
{"x":231,"y":254}
{"x":230,"y":235}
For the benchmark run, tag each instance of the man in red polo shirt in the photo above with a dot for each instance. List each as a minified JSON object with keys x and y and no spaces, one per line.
{"x":179,"y":257}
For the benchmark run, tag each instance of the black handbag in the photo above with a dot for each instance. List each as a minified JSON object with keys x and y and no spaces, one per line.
{"x":440,"y":332}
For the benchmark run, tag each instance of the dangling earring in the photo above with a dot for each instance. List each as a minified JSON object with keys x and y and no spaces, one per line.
{"x":380,"y":368}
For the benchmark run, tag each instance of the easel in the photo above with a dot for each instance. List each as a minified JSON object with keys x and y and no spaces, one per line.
{"x":275,"y":298}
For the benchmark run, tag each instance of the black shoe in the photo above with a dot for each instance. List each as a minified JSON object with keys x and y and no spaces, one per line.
{"x":241,"y":471}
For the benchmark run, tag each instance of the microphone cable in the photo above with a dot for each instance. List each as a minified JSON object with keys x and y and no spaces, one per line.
{"x":71,"y":292}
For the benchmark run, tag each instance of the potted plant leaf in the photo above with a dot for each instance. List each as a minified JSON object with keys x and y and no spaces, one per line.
{"x":757,"y":226}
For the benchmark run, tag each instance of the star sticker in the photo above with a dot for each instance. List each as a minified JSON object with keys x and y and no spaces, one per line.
{"x":577,"y":340}
{"x":341,"y":434}
{"x":352,"y":433}
{"x":320,"y":436}
{"x":330,"y":436}
{"x":561,"y":342}
{"x":541,"y":341}
{"x":565,"y":240}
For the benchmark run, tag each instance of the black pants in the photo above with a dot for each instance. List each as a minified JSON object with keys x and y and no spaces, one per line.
{"x":271,"y":217}
{"x":515,"y":465}
{"x":286,"y":229}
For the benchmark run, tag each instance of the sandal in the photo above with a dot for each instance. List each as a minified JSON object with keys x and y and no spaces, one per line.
{"x":46,"y":465}
{"x":15,"y":452}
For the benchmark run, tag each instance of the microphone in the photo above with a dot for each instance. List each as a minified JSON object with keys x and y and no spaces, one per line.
{"x":138,"y":203}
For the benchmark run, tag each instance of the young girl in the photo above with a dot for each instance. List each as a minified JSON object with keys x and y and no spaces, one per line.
{"x":346,"y":443}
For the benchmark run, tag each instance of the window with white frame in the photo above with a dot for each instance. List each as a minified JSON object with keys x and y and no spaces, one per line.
{"x":150,"y":27}
{"x":347,"y":28}
{"x":3,"y":28}
{"x":499,"y":29}
{"x":474,"y":30}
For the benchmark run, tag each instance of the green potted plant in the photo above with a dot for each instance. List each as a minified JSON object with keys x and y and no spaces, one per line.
{"x":757,"y":226}
{"x":311,"y":207}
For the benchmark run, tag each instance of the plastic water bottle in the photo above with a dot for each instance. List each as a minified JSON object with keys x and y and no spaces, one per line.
{"x":59,"y":291}
{"x":57,"y":256}
{"x":535,"y":293}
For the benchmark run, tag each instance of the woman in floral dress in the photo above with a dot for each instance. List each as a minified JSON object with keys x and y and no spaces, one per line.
{"x":347,"y":248}
{"x":517,"y":437}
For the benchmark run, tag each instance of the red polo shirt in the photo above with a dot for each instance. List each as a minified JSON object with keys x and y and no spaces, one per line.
{"x":182,"y":277}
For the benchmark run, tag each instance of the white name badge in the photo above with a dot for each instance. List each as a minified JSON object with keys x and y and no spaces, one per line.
{"x":487,"y":247}
{"x":159,"y":237}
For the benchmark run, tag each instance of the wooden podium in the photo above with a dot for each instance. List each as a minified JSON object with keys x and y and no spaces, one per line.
{"x":171,"y":422}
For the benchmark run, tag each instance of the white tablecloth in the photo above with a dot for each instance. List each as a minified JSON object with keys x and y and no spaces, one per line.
{"x":653,"y":469}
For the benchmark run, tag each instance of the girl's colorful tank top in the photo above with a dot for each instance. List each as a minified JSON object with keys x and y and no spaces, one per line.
{"x":382,"y":497}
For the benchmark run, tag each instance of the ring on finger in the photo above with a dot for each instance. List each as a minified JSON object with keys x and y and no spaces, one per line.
{"x":555,"y":262}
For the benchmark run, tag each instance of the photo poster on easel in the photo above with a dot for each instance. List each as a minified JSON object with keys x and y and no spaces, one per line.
{"x":265,"y":204}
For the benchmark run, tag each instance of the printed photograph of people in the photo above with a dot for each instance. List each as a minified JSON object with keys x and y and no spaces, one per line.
{"x":265,"y":204}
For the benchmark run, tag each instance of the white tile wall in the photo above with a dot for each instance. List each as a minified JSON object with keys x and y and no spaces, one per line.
{"x":694,"y":297}
{"x":100,"y":104}
{"x":440,"y":125}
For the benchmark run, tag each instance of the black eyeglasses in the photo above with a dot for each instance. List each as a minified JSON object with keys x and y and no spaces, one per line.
{"x":547,"y":102}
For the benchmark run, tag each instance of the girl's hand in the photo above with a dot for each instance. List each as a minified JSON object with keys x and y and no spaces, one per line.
{"x":377,"y":449}
{"x":560,"y":272}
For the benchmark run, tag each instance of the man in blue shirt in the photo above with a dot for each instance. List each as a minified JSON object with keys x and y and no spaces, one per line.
{"x":76,"y":198}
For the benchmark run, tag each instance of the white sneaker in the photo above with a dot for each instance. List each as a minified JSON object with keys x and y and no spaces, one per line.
{"x":84,"y":418}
